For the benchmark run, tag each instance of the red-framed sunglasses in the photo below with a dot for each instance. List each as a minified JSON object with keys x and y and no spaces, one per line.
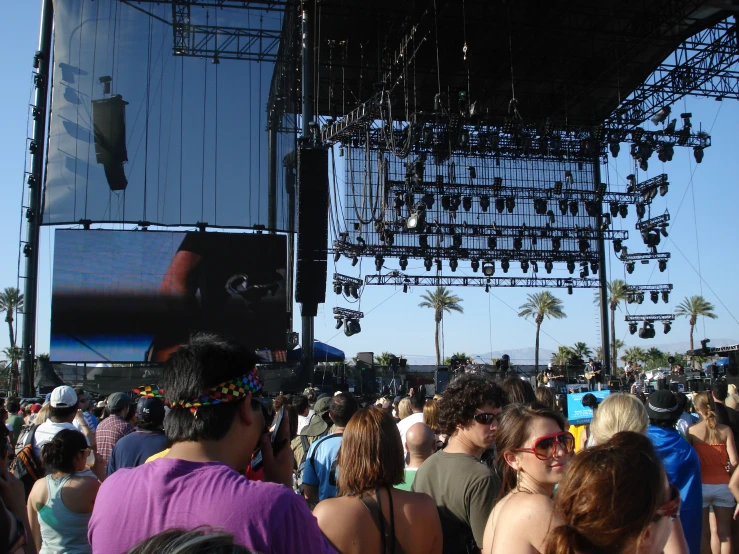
{"x":671,"y":508}
{"x":545,"y":447}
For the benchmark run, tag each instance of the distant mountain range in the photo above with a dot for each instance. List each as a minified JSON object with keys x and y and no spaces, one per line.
{"x":525,"y":356}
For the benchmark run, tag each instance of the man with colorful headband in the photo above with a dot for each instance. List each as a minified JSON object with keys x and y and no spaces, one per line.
{"x":214,"y":426}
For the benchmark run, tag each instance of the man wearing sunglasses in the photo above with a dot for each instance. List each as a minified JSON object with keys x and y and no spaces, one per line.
{"x":463,"y":488}
{"x":216,"y":420}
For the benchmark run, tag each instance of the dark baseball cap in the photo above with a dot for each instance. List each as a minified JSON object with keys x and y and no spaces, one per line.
{"x":150,"y":410}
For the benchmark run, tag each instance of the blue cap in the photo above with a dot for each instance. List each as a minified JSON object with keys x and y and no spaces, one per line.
{"x":48,"y":398}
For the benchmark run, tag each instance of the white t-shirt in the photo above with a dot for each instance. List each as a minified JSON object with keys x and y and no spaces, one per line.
{"x":405,"y":424}
{"x":302,"y":422}
{"x":48,"y":430}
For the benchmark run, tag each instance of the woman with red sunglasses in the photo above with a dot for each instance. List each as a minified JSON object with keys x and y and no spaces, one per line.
{"x":533,"y":453}
{"x":602,"y":511}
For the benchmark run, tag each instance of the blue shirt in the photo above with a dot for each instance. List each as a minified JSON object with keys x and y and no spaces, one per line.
{"x":133,"y":449}
{"x":321,"y":457}
{"x":683,"y":470}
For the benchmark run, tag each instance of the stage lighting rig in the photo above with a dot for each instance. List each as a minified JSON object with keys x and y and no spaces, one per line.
{"x":548,"y":266}
{"x":698,"y":154}
{"x":563,"y":206}
{"x":475,"y":265}
{"x":403,"y":262}
{"x":379,"y":262}
{"x":630,"y":268}
{"x":427,"y":263}
{"x":350,"y":320}
{"x":632,"y":328}
{"x":571,"y":266}
{"x":647,"y":330}
{"x":484,"y":202}
{"x":524,"y":266}
{"x":350,"y":285}
{"x":488,"y":268}
{"x":417,"y":218}
{"x":505,"y":265}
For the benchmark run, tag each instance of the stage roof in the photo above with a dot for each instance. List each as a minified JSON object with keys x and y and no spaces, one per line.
{"x":571,"y":61}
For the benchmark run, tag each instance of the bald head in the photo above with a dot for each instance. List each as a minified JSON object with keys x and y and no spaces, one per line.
{"x":420,"y":440}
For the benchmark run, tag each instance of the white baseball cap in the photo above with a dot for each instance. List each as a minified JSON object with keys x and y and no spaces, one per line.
{"x":63,"y":397}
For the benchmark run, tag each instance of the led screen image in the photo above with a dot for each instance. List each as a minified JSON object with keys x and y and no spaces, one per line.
{"x":133,"y":296}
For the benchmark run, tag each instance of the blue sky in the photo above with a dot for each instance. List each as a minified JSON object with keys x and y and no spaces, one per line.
{"x":703,"y":202}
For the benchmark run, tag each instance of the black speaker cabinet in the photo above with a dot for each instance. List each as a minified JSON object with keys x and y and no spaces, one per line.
{"x":109,"y":130}
{"x":442,"y":379}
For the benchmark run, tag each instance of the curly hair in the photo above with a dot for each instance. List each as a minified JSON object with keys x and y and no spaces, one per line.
{"x":463,"y":396}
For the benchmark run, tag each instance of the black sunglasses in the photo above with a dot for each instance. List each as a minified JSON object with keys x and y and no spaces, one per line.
{"x":485,"y":418}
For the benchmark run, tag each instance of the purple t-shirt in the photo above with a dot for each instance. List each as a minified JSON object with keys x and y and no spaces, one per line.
{"x":138,"y":503}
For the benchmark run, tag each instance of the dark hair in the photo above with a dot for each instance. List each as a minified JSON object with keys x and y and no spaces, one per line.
{"x":720,"y":390}
{"x":198,"y":541}
{"x":545,"y":395}
{"x":590,"y":401}
{"x":683,"y":401}
{"x":663,"y":423}
{"x":604,"y":475}
{"x":62,"y":413}
{"x":301,"y":403}
{"x":98,"y":412}
{"x":205,"y":361}
{"x":463,"y":396}
{"x":58,"y":454}
{"x":518,"y":390}
{"x":513,"y":432}
{"x":279,"y":402}
{"x":13,"y":404}
{"x":418,"y":399}
{"x":341,"y":409}
{"x":371,"y":454}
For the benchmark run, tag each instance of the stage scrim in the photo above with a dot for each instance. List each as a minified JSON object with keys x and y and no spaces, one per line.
{"x":138,"y":133}
{"x":125,"y":296}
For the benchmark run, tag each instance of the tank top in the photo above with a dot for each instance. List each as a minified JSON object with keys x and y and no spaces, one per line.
{"x":713,"y":458}
{"x":62,"y":530}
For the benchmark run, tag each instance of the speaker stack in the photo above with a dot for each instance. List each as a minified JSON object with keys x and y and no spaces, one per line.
{"x":109,"y":130}
{"x":366,"y":368}
{"x":441,"y":378}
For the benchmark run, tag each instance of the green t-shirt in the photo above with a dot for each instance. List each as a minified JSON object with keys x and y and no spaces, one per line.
{"x":465,"y":492}
{"x":408,"y":476}
{"x":17,"y":422}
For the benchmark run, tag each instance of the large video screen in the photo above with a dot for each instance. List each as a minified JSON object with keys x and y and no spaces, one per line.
{"x":134,"y":296}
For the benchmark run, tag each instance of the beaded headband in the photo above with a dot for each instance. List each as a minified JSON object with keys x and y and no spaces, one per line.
{"x":228,"y":391}
{"x":149,"y":391}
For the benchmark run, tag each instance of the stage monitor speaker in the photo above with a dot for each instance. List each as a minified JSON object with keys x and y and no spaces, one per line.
{"x":674,"y":386}
{"x":614,"y":385}
{"x":442,"y":379}
{"x":659,"y":384}
{"x":694,"y":385}
{"x":312,"y":248}
{"x":109,"y":131}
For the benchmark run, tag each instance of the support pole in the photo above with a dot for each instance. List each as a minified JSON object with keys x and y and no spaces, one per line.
{"x":274,"y":122}
{"x":42,"y":62}
{"x":306,"y":77}
{"x":602,"y":277}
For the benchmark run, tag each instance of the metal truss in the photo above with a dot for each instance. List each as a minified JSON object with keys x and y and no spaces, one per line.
{"x":652,"y":223}
{"x":348,"y":314}
{"x":644,"y":256}
{"x":714,"y":350}
{"x":649,"y":317}
{"x":704,"y":65}
{"x":647,"y":288}
{"x":399,"y":279}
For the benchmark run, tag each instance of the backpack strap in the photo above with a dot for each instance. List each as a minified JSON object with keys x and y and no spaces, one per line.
{"x":31,"y":434}
{"x":332,"y":475}
{"x":306,"y":446}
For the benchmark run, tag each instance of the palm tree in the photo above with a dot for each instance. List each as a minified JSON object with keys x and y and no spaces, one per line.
{"x":11,"y":300}
{"x":13,"y":355}
{"x":634,"y":354}
{"x":655,"y":358}
{"x":383,"y":360}
{"x":616,"y":294}
{"x":441,"y":300}
{"x":540,"y":305}
{"x":562,"y":355}
{"x":692,"y":308}
{"x":581,"y":350}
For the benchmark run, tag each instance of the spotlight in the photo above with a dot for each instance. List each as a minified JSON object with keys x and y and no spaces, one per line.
{"x":492,"y":243}
{"x":517,"y":243}
{"x":455,"y":202}
{"x":617,"y":245}
{"x":427,"y":263}
{"x":423,"y":241}
{"x":591,"y":208}
{"x":417,"y":218}
{"x":488,"y":269}
{"x":351,"y":327}
{"x":403,"y":262}
{"x":453,"y":264}
{"x":548,"y":265}
{"x":584,"y":273}
{"x":510,"y":203}
{"x":632,"y":327}
{"x":405,"y":285}
{"x":355,"y":261}
{"x":574,"y":208}
{"x":534,"y":266}
{"x":615,"y":148}
{"x":472,"y":170}
{"x":379,"y":262}
{"x":623,"y":210}
{"x":614,"y":209}
{"x":457,"y":241}
{"x":499,"y":205}
{"x":563,"y":206}
{"x":643,"y":164}
{"x":524,"y":266}
{"x":583,"y":245}
{"x":663,"y":230}
{"x":428,"y":200}
{"x":661,"y":115}
{"x":662,"y":265}
{"x":505,"y":265}
{"x":665,"y":296}
{"x":438,"y":264}
{"x":339,"y":321}
{"x":475,"y":265}
{"x":446,"y":201}
{"x":355,"y":292}
{"x":484,"y":202}
{"x":641,"y":210}
{"x":666,"y":327}
{"x":654,"y":296}
{"x":663,"y":188}
{"x":569,"y":289}
{"x":630,"y":268}
{"x":550,"y":215}
{"x":540,"y":206}
{"x":556,"y":243}
{"x":571,"y":266}
{"x":594,"y":267}
{"x":337,"y":287}
{"x":670,"y":129}
{"x":639,"y":297}
{"x":698,"y":154}
{"x":467,"y":203}
{"x":647,"y":331}
{"x":558,"y":187}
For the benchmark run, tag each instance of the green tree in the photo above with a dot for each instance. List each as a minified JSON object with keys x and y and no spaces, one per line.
{"x":460,"y":355}
{"x":616,"y":294}
{"x":562,"y":355}
{"x":13,"y":355}
{"x":581,"y":350}
{"x":693,"y":307}
{"x":538,"y":306}
{"x":441,"y":301}
{"x":383,"y":359}
{"x":634,"y":354}
{"x":656,"y":358}
{"x":11,"y":300}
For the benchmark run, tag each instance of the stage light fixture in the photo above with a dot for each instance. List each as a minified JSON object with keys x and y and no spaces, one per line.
{"x":584,"y":273}
{"x":455,"y":202}
{"x":389,"y":237}
{"x":591,"y":208}
{"x":662,"y":265}
{"x":663,"y":230}
{"x":339,"y":321}
{"x":354,"y":291}
{"x":571,"y":266}
{"x":524,"y":266}
{"x":467,"y":203}
{"x":617,"y":245}
{"x":492,"y":243}
{"x":594,"y":267}
{"x":428,"y":200}
{"x":497,"y":185}
{"x":405,"y":285}
{"x":556,"y":243}
{"x":403,"y":262}
{"x":569,"y":289}
{"x":666,"y":327}
{"x":643,"y":164}
{"x":605,"y":222}
{"x":379,"y":262}
{"x":663,"y":188}
{"x":453,"y":264}
{"x":540,"y":206}
{"x":427,"y":263}
{"x":583,"y":245}
{"x":510,"y":203}
{"x":438,"y":264}
{"x":558,"y":187}
{"x":630,"y":268}
{"x":654,"y":296}
{"x":614,"y":209}
{"x":563,"y":206}
{"x":665,"y":296}
{"x":475,"y":265}
{"x":352,"y":327}
{"x":473,"y":171}
{"x":639,"y":297}
{"x":632,"y":327}
{"x":623,"y":210}
{"x":548,"y":265}
{"x":574,"y":208}
{"x":569,"y":178}
{"x":484,"y":202}
{"x":534,"y":267}
{"x":499,"y":205}
{"x":550,"y":215}
{"x":446,"y":201}
{"x":661,"y":115}
{"x":615,"y":148}
{"x":457,"y":241}
{"x":505,"y":265}
{"x":670,"y":129}
{"x":355,"y":261}
{"x":647,"y":331}
{"x":641,"y":210}
{"x":698,"y":154}
{"x":423,"y":241}
{"x":517,"y":243}
{"x":337,"y":287}
{"x":488,"y":268}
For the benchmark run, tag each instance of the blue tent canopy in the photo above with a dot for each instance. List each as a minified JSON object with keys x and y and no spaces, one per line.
{"x":321,"y":352}
{"x":719,"y":362}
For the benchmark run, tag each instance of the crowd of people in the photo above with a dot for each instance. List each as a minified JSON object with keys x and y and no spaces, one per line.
{"x":205,"y":461}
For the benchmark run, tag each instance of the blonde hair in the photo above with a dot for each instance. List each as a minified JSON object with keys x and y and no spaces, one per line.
{"x":702,"y":403}
{"x":617,"y":413}
{"x":431,"y":415}
{"x":404,"y":408}
{"x":43,"y":414}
